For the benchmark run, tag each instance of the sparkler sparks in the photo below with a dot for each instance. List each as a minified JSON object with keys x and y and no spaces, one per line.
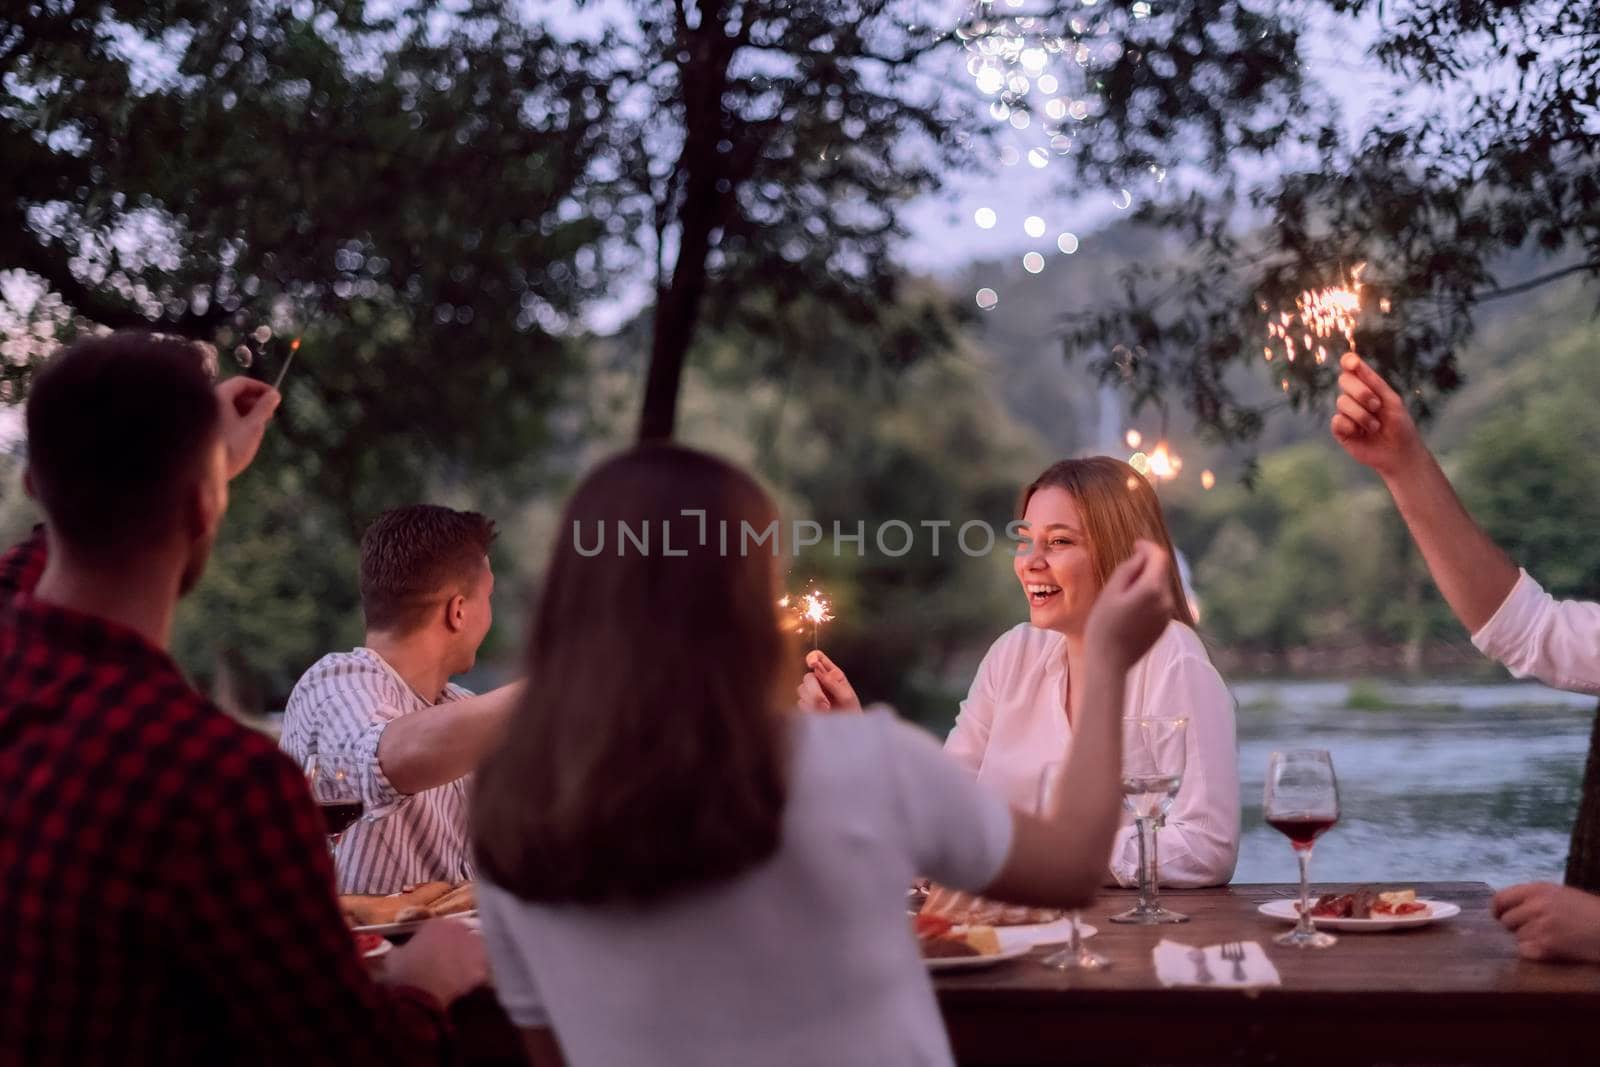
{"x":1319,"y":315}
{"x":811,"y":609}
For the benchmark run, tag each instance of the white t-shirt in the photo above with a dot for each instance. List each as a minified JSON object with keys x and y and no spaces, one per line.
{"x":806,"y":959}
{"x":1014,"y":722}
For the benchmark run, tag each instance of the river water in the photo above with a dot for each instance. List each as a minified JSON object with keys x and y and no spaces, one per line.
{"x":1437,"y":781}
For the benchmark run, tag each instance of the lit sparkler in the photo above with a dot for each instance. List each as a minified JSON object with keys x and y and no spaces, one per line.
{"x":811,"y":608}
{"x":294,"y":346}
{"x":1319,"y":314}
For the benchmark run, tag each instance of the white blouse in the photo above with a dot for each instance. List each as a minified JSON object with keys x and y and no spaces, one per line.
{"x":1537,"y":636}
{"x":804,"y":959}
{"x":1014,"y":721}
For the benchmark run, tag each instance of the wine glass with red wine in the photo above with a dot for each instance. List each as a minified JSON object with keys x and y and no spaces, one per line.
{"x":1302,"y":802}
{"x":336,"y":794}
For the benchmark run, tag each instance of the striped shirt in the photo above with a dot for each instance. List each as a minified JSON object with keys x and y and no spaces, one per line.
{"x":338,"y":710}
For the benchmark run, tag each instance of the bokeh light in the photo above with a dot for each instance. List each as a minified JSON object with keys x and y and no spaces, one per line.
{"x":1033,"y":263}
{"x":987,"y":298}
{"x":1033,"y":226}
{"x":1068,"y":243}
{"x":985,"y":218}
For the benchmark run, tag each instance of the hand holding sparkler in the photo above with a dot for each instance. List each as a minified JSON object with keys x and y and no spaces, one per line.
{"x":825,"y":687}
{"x":1372,"y":423}
{"x":246,"y":407}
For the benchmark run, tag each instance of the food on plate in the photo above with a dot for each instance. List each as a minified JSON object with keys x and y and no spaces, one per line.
{"x":369,"y":944}
{"x":454,"y":902}
{"x":941,"y":939}
{"x":1368,"y":902}
{"x":958,"y":907}
{"x":413,"y":902}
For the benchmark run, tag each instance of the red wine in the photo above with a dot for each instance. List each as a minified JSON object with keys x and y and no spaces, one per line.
{"x":339,"y":816}
{"x":1301,"y":830}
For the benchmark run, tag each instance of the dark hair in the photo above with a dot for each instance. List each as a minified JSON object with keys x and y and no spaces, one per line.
{"x":648,"y":755}
{"x":117,"y":431}
{"x":1118,"y":507}
{"x":411,"y":557}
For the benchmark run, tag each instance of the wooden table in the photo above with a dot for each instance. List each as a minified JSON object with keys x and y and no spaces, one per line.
{"x":1451,"y":992}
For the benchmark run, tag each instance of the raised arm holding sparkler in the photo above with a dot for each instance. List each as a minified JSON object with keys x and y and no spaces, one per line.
{"x":1511,"y":619}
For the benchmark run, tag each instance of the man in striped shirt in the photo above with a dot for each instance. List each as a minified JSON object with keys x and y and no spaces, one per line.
{"x":386,"y":714}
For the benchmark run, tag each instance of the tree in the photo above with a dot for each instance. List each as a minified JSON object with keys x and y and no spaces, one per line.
{"x":783,"y":138}
{"x":407,"y":191}
{"x":1484,"y":161}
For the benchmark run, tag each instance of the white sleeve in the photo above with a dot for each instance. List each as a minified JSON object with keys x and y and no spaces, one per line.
{"x":514,"y":984}
{"x":969,"y":737}
{"x":959,"y":833}
{"x":1198,"y":844}
{"x":1537,"y":636}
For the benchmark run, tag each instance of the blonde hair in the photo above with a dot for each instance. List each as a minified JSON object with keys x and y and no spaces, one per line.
{"x":1118,"y":507}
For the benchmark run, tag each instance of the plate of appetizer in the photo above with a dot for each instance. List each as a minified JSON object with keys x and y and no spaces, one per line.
{"x":947,"y":946}
{"x":1366,"y":910}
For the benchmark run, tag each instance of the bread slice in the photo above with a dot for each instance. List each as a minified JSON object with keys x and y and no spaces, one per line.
{"x":457,"y":900}
{"x":364,"y":909}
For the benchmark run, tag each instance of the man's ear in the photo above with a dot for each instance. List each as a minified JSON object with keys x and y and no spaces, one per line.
{"x":455,"y":613}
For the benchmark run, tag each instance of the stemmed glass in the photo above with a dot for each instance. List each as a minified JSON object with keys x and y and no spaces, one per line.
{"x":1076,"y":955}
{"x":1154,"y":753}
{"x":337,"y":795}
{"x":1302,"y":802}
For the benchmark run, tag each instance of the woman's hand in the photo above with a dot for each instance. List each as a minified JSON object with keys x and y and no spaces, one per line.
{"x":825,"y":688}
{"x":1133,"y":609}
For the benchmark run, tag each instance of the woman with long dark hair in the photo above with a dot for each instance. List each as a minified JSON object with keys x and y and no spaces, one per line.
{"x":681,"y":868}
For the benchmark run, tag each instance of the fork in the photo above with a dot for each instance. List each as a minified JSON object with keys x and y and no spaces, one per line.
{"x":1233,"y":952}
{"x":1202,"y":973}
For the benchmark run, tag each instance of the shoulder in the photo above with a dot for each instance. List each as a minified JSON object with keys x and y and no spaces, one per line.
{"x":345,"y":677}
{"x":216,"y":754}
{"x":1178,"y":642}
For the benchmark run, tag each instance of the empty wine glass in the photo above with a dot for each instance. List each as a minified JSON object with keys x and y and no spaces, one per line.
{"x":1076,"y":955}
{"x":1302,"y":802}
{"x":1154,"y":753}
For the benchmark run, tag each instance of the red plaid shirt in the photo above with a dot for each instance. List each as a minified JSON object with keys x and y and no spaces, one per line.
{"x":165,"y":888}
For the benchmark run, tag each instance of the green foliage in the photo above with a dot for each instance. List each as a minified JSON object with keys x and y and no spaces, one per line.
{"x":1476,"y":169}
{"x":1367,"y":695}
{"x":1529,"y":471}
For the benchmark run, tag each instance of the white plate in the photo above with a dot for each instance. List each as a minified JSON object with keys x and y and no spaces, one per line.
{"x":1056,"y":933}
{"x":386,"y":929}
{"x":972,"y":963}
{"x":1289,"y":910}
{"x":380,"y":949}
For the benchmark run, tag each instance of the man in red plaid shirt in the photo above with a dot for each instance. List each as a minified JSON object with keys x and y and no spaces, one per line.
{"x":166,"y":895}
